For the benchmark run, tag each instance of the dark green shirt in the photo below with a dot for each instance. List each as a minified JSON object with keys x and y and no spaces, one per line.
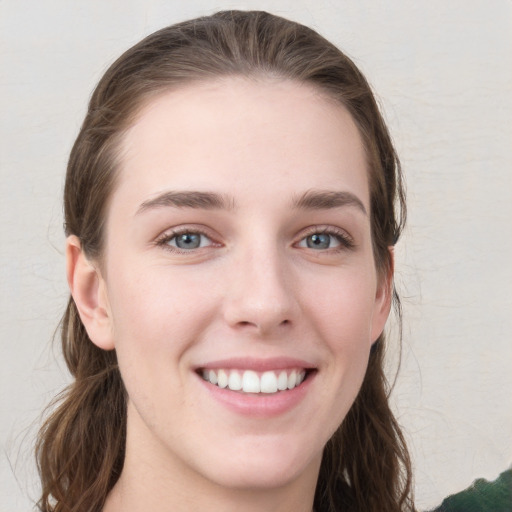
{"x":482,"y":496}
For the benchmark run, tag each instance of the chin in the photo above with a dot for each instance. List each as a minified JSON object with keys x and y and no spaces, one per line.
{"x":265,"y":467}
{"x":257,"y":478}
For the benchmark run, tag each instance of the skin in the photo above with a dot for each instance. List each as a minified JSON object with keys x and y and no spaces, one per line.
{"x":254,"y":289}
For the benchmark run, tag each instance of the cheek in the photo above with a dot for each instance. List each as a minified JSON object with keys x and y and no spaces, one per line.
{"x":153,"y":297}
{"x":344,"y":319}
{"x":156,"y":318}
{"x":345,"y":312}
{"x":156,"y":315}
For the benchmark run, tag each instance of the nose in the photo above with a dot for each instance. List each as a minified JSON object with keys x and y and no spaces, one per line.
{"x":261,"y":293}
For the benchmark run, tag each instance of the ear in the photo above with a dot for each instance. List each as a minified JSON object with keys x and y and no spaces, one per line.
{"x":89,"y":292}
{"x":383,"y":298}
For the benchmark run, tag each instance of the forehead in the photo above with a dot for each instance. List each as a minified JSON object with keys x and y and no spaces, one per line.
{"x":238,"y":132}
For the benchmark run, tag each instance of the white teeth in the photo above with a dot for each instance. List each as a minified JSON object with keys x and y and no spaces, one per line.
{"x":282,"y":381}
{"x":222,"y":379}
{"x":268,"y":382}
{"x":235,"y":381}
{"x":212,"y":377}
{"x":292,"y":379}
{"x":250,"y":381}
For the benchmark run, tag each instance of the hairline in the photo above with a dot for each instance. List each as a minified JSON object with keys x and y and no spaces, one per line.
{"x":114,"y":146}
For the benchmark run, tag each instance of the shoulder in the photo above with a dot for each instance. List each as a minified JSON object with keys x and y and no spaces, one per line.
{"x":482,"y":496}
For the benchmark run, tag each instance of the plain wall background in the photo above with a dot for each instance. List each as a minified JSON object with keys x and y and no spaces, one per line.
{"x":443,"y":73}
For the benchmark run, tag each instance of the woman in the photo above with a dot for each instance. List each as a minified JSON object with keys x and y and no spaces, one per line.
{"x":231,"y":205}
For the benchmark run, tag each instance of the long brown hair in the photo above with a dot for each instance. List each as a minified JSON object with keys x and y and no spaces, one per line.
{"x":80,"y":450}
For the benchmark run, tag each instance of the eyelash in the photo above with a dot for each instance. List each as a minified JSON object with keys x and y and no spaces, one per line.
{"x":345,"y":241}
{"x":164,"y":240}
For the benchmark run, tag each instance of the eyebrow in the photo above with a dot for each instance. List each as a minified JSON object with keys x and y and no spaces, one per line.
{"x":188,"y":199}
{"x":325,"y":200}
{"x":310,"y":200}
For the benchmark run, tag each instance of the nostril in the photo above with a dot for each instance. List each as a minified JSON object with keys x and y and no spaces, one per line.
{"x":244,"y":323}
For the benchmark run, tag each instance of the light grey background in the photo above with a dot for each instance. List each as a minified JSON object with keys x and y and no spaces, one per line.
{"x":443,"y":73}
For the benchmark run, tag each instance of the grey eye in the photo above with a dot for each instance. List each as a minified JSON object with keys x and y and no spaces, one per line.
{"x":320,"y":241}
{"x":189,"y":241}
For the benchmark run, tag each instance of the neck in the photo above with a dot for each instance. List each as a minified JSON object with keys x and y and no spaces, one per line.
{"x":130,"y":497}
{"x":153,"y":480}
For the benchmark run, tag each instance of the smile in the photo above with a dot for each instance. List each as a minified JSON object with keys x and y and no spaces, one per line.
{"x":249,"y":381}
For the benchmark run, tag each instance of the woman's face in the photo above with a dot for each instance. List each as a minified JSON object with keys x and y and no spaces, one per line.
{"x":238,"y":255}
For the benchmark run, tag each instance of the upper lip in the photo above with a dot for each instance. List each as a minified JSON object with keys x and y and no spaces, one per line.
{"x":256,"y":364}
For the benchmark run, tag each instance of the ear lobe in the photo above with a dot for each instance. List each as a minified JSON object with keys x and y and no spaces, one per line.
{"x":89,"y":292}
{"x":383,"y":298}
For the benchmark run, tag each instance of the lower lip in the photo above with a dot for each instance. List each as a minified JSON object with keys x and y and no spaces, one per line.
{"x":261,"y":405}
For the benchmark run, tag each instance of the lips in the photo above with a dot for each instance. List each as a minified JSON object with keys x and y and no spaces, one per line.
{"x":251,"y":381}
{"x":255,"y":387}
